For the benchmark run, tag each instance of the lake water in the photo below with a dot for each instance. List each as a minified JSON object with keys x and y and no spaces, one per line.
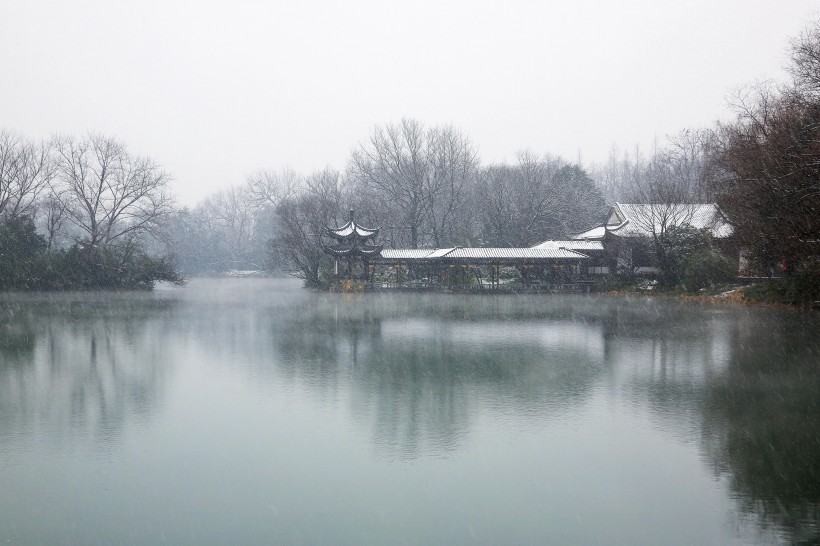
{"x":252,"y":411}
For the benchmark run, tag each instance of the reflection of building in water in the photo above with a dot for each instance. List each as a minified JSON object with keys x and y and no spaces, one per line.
{"x":419,"y":382}
{"x":79,"y":369}
{"x":666,"y":343}
{"x":581,"y":337}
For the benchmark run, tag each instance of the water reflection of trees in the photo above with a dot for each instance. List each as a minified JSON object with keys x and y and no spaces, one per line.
{"x":746,"y":386}
{"x":421,"y":370}
{"x":762,"y":425}
{"x":77,"y":365}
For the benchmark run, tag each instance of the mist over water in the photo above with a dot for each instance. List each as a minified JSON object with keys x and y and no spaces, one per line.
{"x":253,"y":411}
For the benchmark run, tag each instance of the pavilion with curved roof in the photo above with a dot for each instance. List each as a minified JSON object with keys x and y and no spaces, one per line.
{"x":352,"y":244}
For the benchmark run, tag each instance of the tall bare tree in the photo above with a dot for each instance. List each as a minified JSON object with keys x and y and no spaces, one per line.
{"x":268,"y":188}
{"x":805,"y":61}
{"x":110,"y":195}
{"x":452,"y":163}
{"x":421,"y":174}
{"x":495,"y":205}
{"x":393,"y":163}
{"x":301,"y":220}
{"x":53,"y":213}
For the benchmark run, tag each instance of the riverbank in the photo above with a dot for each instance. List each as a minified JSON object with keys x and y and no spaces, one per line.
{"x":754,"y":295}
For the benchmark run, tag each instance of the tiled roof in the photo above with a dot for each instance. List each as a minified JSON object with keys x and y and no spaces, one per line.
{"x":440,"y":252}
{"x":343,"y":251}
{"x":514,"y":253}
{"x":579,"y":246}
{"x":643,"y":219}
{"x":406,"y":253}
{"x":482,"y":254}
{"x":596,"y":233}
{"x":351,"y":227}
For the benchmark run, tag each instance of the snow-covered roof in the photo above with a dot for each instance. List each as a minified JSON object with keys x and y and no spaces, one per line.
{"x":406,"y":253}
{"x":594,"y":234}
{"x":516,"y":253}
{"x":550,"y":252}
{"x":440,"y":252}
{"x":354,"y":249}
{"x":350,"y":228}
{"x":641,"y":220}
{"x":580,"y":246}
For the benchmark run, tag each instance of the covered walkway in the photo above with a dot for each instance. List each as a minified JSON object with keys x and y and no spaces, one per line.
{"x":484,"y":268}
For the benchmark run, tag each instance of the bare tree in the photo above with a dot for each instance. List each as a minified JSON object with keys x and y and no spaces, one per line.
{"x":805,"y":65}
{"x":771,"y":182}
{"x":687,"y":154}
{"x":452,"y":163}
{"x":26,"y":169}
{"x":111,"y":196}
{"x":537,"y":199}
{"x":393,"y":163}
{"x":612,"y":175}
{"x":269,"y":188}
{"x":301,"y":220}
{"x":54,"y":215}
{"x":495,"y":204}
{"x":332,"y":190}
{"x":666,"y":201}
{"x":421,"y":175}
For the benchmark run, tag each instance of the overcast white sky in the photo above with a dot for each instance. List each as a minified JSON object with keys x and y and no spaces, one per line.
{"x":216,"y":90}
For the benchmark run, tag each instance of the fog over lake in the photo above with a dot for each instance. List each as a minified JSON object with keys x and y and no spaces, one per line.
{"x":254,"y":411}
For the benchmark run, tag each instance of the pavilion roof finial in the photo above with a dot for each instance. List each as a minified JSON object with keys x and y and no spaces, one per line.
{"x":352,"y":214}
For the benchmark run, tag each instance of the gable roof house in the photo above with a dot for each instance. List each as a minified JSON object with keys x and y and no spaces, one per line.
{"x":629,"y":229}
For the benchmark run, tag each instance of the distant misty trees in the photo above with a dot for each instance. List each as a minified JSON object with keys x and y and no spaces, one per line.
{"x":678,"y":169}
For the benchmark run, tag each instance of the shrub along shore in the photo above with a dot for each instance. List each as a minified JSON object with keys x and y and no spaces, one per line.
{"x":26,"y":263}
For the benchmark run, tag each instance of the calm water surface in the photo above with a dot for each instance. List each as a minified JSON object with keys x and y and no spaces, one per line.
{"x":252,"y":411}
